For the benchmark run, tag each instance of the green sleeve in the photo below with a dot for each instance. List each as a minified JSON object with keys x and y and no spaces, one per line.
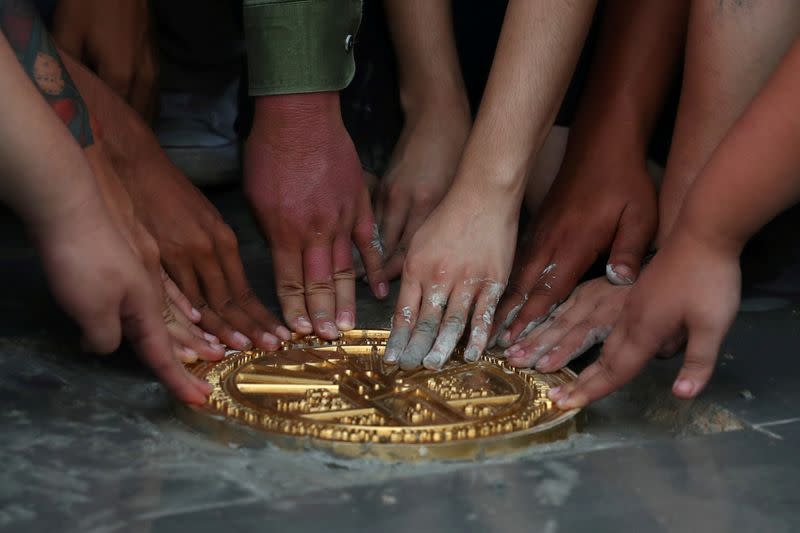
{"x":300,"y":46}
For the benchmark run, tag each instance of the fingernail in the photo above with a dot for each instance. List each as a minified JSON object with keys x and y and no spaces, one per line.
{"x":329,"y":329}
{"x":213,"y":339}
{"x":283,"y":333}
{"x":619,"y":274}
{"x":554,"y":392}
{"x":304,"y":325}
{"x":217,"y":347}
{"x":391,"y":356}
{"x":269,"y":339}
{"x":196,"y":316}
{"x":241,"y":342}
{"x":345,"y":320}
{"x":683,"y":387}
{"x":505,"y":340}
{"x":383,"y":289}
{"x":542,"y":363}
{"x":471,"y":354}
{"x":188,"y":355}
{"x":563,"y":403}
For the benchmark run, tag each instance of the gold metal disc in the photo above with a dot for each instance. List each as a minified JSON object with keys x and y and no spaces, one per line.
{"x":340,"y":396}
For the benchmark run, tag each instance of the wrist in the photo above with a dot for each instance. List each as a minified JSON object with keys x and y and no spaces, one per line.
{"x":296,"y":114}
{"x":434,"y":96}
{"x":695,"y":225}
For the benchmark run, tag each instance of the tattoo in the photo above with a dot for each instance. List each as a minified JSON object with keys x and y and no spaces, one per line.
{"x":25,"y":31}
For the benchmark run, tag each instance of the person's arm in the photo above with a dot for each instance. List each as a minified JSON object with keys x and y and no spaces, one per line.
{"x":536,"y":55}
{"x":693,"y":282}
{"x":91,"y":270}
{"x":37,"y":54}
{"x":603,"y":197}
{"x":436,"y":126}
{"x":302,"y":176}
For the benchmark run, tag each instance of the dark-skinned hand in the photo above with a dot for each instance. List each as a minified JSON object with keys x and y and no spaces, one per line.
{"x":596,"y":204}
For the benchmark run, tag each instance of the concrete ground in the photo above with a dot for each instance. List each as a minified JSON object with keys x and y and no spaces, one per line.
{"x":93,"y":445}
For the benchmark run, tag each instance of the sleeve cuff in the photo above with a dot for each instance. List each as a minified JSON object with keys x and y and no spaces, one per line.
{"x":300,"y":46}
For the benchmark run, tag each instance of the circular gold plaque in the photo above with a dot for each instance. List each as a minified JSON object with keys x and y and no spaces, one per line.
{"x":341,"y":396}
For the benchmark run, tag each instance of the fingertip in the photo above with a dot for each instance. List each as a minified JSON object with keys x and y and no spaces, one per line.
{"x":195,"y":315}
{"x":303,"y":325}
{"x":283,"y":333}
{"x":684,"y":389}
{"x":270,"y":341}
{"x":345,"y":320}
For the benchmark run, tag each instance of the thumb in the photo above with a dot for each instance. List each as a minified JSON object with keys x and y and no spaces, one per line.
{"x":634,"y":232}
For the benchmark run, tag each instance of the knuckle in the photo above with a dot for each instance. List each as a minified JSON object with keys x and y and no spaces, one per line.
{"x":226,"y":237}
{"x":288,"y":288}
{"x":247,"y":296}
{"x":427,"y":326}
{"x":320,"y":287}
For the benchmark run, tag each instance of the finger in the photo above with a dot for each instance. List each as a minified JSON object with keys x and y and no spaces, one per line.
{"x":557,"y":280}
{"x":344,"y":280}
{"x":143,"y":327}
{"x":246,"y":332}
{"x":394,"y":216}
{"x":231,"y":260}
{"x":619,"y":362}
{"x":630,"y":245}
{"x":699,"y":361}
{"x":434,"y":303}
{"x":452,"y":328}
{"x":403,"y":320}
{"x":368,"y":241}
{"x":482,"y":319}
{"x":288,"y":265}
{"x":185,"y":335}
{"x":320,"y":291}
{"x":212,"y":324}
{"x":548,"y":334}
{"x":179,"y":299}
{"x":575,"y":343}
{"x":522,"y":279}
{"x":393,"y":266}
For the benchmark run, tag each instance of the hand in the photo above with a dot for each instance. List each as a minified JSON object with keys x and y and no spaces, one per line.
{"x":198,"y":249}
{"x":420,"y":173}
{"x":690,"y":287}
{"x":460,"y":257}
{"x":586,"y":318}
{"x":595,"y":203}
{"x":189,"y":341}
{"x":114,"y":39}
{"x":102,"y":285}
{"x":304,"y":181}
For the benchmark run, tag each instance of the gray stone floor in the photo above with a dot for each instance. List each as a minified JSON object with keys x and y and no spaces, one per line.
{"x":93,"y":445}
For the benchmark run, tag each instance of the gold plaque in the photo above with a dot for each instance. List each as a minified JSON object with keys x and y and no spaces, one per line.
{"x":341,"y":396}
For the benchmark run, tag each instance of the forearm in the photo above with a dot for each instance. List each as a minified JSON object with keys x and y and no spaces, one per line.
{"x":45,"y":177}
{"x":536,"y":56}
{"x":428,"y":67}
{"x":638,"y":50}
{"x":37,"y":54}
{"x":753,"y":174}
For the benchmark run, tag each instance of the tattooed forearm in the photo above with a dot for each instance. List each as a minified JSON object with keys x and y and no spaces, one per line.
{"x":20,"y":23}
